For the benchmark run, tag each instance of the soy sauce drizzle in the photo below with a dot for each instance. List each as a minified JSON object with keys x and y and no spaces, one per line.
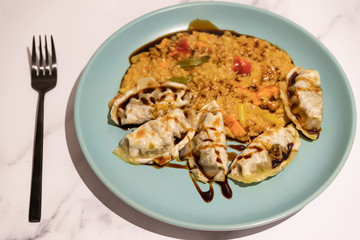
{"x":207,"y":196}
{"x":178,"y":166}
{"x":225,"y":189}
{"x":170,"y":165}
{"x":237,"y":147}
{"x":179,"y":139}
{"x":129,"y":126}
{"x":200,"y":24}
{"x":231,"y":156}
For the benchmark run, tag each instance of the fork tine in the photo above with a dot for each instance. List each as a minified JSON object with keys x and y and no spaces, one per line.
{"x":41,"y":58}
{"x":33,"y":59}
{"x":47,"y":65}
{"x":53,"y":55}
{"x":53,"y":58}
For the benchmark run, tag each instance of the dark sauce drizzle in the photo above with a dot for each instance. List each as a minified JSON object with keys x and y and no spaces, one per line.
{"x":285,"y":155}
{"x":128,"y":126}
{"x":237,"y":147}
{"x":225,"y":189}
{"x":179,"y":139}
{"x":170,"y":165}
{"x":232,"y":156}
{"x":207,"y":196}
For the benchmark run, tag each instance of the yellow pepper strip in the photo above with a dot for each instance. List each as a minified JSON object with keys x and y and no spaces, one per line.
{"x":268,"y":116}
{"x":241,"y":113}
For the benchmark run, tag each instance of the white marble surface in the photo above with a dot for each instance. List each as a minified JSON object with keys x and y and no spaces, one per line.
{"x":76,"y":205}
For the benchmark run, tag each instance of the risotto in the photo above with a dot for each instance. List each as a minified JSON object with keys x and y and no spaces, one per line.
{"x":242,"y":73}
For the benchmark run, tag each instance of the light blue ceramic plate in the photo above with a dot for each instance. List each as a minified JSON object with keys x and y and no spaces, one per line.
{"x":168,"y":194}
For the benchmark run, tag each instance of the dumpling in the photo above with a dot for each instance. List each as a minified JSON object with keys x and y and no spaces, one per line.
{"x":149,"y":100}
{"x":303,"y":102}
{"x":206,"y":153}
{"x":159,"y":140}
{"x":266,"y":155}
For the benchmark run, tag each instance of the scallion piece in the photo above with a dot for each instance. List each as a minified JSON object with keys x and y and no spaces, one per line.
{"x":182,"y":80}
{"x":192,"y":62}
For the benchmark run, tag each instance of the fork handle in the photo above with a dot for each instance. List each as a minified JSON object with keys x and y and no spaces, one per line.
{"x":36,"y":180}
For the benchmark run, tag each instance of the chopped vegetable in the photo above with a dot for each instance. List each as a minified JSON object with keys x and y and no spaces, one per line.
{"x":272,"y":118}
{"x":275,"y":152}
{"x":151,"y":146}
{"x":267,"y":91}
{"x":245,"y":92}
{"x":182,"y":80}
{"x":192,"y":62}
{"x":266,"y":115}
{"x":203,"y":38}
{"x":256,"y":97}
{"x":122,"y":91}
{"x":241,"y":113}
{"x":241,"y":65}
{"x":256,"y":101}
{"x":234,"y":126}
{"x":200,"y":45}
{"x":182,"y":47}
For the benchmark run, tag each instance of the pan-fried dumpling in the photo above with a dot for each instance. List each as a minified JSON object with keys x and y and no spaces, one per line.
{"x":302,"y":98}
{"x":206,"y":153}
{"x":159,"y":140}
{"x":266,"y":155}
{"x":149,"y":100}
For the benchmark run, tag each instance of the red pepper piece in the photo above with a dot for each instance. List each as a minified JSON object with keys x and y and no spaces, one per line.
{"x":183,"y":46}
{"x":241,"y":65}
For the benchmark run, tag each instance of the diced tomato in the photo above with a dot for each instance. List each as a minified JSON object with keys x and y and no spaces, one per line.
{"x":241,"y":65}
{"x":183,"y":46}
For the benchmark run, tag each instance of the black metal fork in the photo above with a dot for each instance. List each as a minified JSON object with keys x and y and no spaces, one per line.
{"x":43,"y":79}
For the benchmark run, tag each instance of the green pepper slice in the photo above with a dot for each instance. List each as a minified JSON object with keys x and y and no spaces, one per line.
{"x":182,"y":80}
{"x":192,"y":62}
